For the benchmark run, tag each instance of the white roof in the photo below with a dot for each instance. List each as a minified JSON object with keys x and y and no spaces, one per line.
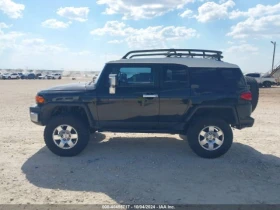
{"x":190,"y":62}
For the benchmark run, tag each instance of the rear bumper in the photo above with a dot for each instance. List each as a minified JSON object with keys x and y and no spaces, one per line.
{"x":246,"y":122}
{"x":34,"y":113}
{"x":244,"y":112}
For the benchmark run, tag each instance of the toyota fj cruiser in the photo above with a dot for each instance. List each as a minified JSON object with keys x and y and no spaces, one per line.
{"x":178,"y":91}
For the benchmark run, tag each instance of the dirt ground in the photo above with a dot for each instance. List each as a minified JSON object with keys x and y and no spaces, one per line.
{"x":135,"y":168}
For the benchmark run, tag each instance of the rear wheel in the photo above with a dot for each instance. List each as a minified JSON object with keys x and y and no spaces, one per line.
{"x":254,"y":88}
{"x":66,"y":135}
{"x":267,"y":84}
{"x":210,"y":137}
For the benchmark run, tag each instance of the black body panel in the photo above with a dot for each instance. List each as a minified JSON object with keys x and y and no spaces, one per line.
{"x":159,"y":98}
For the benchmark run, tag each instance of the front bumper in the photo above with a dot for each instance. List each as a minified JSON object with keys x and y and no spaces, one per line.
{"x":34,"y":113}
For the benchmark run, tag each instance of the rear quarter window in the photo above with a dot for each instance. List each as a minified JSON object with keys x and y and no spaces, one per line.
{"x":232,"y":76}
{"x":217,"y":77}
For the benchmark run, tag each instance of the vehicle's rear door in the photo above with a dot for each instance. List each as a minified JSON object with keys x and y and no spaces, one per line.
{"x":175,"y":98}
{"x":135,"y":105}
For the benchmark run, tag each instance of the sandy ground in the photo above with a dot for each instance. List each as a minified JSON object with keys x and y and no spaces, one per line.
{"x":135,"y":168}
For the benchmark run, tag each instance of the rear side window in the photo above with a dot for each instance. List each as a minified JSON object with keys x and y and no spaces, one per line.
{"x":175,"y":76}
{"x":217,"y":77}
{"x":232,"y":77}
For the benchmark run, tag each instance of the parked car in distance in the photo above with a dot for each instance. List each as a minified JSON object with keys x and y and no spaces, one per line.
{"x":43,"y":77}
{"x":263,"y":80}
{"x":10,"y":76}
{"x":38,"y":75}
{"x":21,"y":75}
{"x":29,"y":76}
{"x":4,"y":75}
{"x":54,"y":76}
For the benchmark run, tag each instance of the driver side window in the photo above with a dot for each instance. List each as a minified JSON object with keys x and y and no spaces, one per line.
{"x":135,"y":76}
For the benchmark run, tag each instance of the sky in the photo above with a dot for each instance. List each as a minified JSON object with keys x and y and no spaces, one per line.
{"x":85,"y":34}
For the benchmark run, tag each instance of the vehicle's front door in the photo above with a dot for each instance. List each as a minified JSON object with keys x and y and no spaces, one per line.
{"x":135,"y":104}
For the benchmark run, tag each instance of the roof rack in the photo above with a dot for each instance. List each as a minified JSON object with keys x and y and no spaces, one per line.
{"x":212,"y":54}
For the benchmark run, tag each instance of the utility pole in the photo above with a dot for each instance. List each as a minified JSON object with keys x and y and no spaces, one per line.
{"x":274,"y":43}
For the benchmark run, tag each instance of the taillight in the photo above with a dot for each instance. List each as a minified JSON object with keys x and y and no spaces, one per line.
{"x":40,"y":100}
{"x":246,"y":96}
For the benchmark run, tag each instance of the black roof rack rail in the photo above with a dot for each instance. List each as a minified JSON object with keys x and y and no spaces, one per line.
{"x":175,"y":53}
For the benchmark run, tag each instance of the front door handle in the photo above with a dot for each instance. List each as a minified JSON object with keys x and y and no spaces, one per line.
{"x":150,"y":95}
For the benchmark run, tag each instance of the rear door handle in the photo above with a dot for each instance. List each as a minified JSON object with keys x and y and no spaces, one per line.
{"x":150,"y":95}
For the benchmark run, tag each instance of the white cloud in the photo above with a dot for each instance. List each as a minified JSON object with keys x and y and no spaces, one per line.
{"x":74,"y":13}
{"x":33,"y":42}
{"x":82,"y":53}
{"x":152,"y":36}
{"x":242,"y":49}
{"x":267,"y":26}
{"x":186,"y":14}
{"x":8,"y":39}
{"x":39,"y":46}
{"x":17,"y":43}
{"x":4,"y":25}
{"x":262,"y":21}
{"x":53,"y":23}
{"x":212,"y":11}
{"x":145,"y":9}
{"x":116,"y":41}
{"x":257,"y":11}
{"x":113,"y":28}
{"x":12,"y":9}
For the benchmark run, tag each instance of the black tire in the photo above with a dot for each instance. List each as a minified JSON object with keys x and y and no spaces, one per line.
{"x":193,"y":137}
{"x":82,"y":131}
{"x":267,"y":84}
{"x":254,"y":88}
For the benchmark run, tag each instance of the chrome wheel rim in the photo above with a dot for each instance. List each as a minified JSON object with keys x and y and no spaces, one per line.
{"x":65,"y":136}
{"x":211,"y":138}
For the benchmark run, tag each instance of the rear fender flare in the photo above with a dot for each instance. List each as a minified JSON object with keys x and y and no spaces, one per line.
{"x":195,"y":110}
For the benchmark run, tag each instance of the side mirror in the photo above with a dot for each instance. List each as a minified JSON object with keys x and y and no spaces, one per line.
{"x":113,"y":83}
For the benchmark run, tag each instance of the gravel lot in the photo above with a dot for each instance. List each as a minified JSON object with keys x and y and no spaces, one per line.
{"x":135,"y":168}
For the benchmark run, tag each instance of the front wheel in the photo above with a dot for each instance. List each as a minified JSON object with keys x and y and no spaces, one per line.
{"x":66,"y":135}
{"x":210,"y":137}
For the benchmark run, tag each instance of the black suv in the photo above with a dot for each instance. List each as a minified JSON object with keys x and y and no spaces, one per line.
{"x":178,"y":91}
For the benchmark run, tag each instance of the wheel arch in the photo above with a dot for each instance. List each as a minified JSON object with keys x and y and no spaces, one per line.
{"x":79,"y":110}
{"x":226,"y":113}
